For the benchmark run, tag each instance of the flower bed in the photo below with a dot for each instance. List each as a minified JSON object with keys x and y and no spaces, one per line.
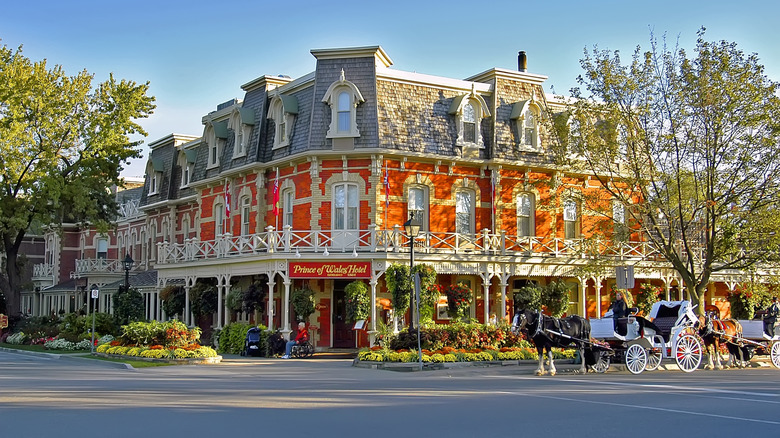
{"x":169,"y":341}
{"x":378,"y":354}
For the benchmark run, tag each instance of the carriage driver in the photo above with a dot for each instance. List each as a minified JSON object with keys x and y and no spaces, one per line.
{"x":619,"y":309}
{"x":771,"y":317}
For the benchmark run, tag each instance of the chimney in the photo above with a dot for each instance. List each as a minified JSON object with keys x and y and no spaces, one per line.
{"x":522,"y":61}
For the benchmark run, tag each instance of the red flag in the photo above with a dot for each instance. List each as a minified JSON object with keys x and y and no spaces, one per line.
{"x":227,"y":199}
{"x":387,"y":188}
{"x":276,"y":194}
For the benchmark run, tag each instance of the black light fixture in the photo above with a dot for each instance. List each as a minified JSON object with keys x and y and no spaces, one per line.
{"x":128,"y":265}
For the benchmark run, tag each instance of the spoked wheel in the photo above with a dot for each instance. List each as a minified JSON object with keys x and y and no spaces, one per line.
{"x":653,"y":359}
{"x":602,"y":364}
{"x":688,"y":353}
{"x":636,"y":359}
{"x":774,"y":354}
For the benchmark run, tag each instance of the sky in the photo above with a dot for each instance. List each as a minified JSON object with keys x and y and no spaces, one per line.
{"x":196,"y":54}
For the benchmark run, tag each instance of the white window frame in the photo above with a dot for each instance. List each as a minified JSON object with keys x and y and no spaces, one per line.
{"x":418,"y":203}
{"x":570,"y":219}
{"x":246,"y":214}
{"x":283,"y":123}
{"x":333,"y":98}
{"x":214,"y":147}
{"x":288,"y":198}
{"x":219,"y":218}
{"x":186,"y":170}
{"x":464,"y":213}
{"x":346,"y":217}
{"x":526,"y":214}
{"x":101,"y":248}
{"x":461,"y":112}
{"x":241,"y":133}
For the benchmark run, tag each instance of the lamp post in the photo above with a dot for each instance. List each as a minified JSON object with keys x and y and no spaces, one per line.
{"x":412,"y":228}
{"x":95,"y":292}
{"x":127,"y":263}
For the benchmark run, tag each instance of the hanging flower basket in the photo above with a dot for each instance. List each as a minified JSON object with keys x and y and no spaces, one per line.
{"x":459,"y":298}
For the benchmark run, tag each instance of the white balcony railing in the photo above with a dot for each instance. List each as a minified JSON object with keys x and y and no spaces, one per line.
{"x":290,"y":242}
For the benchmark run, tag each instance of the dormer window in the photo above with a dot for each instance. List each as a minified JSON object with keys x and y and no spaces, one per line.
{"x":241,"y":122}
{"x":187,"y":159}
{"x":154,"y":175}
{"x":283,"y":112}
{"x":526,"y":115}
{"x":215,"y":135}
{"x":343,"y":97}
{"x":469,"y":109}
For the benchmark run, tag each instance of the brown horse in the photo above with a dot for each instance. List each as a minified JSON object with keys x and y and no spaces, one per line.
{"x":715,"y":332}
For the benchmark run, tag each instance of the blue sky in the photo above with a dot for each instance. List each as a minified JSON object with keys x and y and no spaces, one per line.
{"x":196,"y":54}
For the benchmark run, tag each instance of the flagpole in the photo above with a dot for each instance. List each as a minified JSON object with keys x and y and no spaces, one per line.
{"x":387,"y":193}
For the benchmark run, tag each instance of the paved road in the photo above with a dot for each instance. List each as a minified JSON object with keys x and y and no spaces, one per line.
{"x":45,"y":397}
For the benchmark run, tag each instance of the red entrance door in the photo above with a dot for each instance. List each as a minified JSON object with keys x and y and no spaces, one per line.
{"x":343,"y":335}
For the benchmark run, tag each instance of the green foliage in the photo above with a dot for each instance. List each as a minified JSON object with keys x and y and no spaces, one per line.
{"x":203,"y":298}
{"x":233,"y":336}
{"x":302,"y":299}
{"x":399,"y":286}
{"x":627,"y":297}
{"x":460,"y":336}
{"x":748,"y":298}
{"x":170,"y":334}
{"x":555,"y":297}
{"x":128,"y":306}
{"x":358,"y":303}
{"x":429,"y":292}
{"x":528,"y":297}
{"x":647,"y":296}
{"x":75,"y":327}
{"x":459,"y":298}
{"x":690,"y":144}
{"x":235,"y":300}
{"x":254,"y":295}
{"x":63,"y":141}
{"x":173,"y":300}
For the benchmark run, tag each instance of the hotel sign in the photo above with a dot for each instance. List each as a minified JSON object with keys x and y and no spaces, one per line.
{"x":330,"y":269}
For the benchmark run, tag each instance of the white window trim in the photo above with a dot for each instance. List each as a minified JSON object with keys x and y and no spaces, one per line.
{"x":278,"y":115}
{"x":480,"y":111}
{"x":567,"y":218}
{"x":346,"y":207}
{"x":246,"y":215}
{"x":472,"y":211}
{"x":288,"y":194}
{"x":331,"y":98}
{"x":425,"y":207}
{"x":519,"y":114}
{"x":213,"y":143}
{"x":531,"y":215}
{"x":241,"y":133}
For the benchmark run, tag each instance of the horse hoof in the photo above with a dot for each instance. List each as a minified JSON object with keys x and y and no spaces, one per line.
{"x":552,"y":373}
{"x":540,"y":373}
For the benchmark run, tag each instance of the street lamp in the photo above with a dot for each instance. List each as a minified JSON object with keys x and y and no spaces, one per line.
{"x":412,"y":228}
{"x":127,"y":263}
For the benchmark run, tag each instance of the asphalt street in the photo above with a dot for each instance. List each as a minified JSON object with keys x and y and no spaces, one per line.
{"x":45,"y":396}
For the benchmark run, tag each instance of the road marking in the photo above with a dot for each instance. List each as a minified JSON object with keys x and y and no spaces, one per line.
{"x":650,"y":408}
{"x":673,"y":387}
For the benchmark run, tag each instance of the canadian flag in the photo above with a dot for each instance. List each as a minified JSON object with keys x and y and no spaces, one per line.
{"x":227,"y":199}
{"x":276,"y":194}
{"x":387,"y":188}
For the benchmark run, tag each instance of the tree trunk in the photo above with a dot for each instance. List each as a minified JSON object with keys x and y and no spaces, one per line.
{"x":11,"y":283}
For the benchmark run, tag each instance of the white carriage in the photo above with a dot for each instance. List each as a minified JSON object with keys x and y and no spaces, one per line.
{"x":644,"y":342}
{"x":755,"y":340}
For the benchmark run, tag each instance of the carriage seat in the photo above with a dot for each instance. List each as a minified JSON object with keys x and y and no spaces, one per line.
{"x":621,"y":327}
{"x":665,"y":324}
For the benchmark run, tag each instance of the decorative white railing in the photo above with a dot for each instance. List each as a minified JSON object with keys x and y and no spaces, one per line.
{"x":88,"y":266}
{"x":289,"y":242}
{"x":129,"y":209}
{"x":43,"y":271}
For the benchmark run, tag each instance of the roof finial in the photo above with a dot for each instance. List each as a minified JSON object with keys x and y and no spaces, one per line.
{"x":342,"y":75}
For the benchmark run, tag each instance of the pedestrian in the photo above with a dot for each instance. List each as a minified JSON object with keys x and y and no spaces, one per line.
{"x":770,"y":319}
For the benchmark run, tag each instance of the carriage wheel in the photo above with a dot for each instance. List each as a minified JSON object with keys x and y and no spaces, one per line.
{"x":654,"y":356}
{"x":636,"y":359}
{"x":688,"y":353}
{"x":602,"y":364}
{"x":774,"y":354}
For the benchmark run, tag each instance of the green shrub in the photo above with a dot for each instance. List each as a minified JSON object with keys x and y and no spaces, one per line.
{"x":233,"y":336}
{"x":358,"y":303}
{"x":302,"y":299}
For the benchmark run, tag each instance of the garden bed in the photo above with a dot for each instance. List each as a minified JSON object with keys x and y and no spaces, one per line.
{"x":175,"y":361}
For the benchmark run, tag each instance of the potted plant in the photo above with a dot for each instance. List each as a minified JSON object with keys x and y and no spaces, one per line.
{"x":459,"y":298}
{"x":303,"y":302}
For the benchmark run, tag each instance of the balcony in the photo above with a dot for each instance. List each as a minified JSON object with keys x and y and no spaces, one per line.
{"x":87,"y":267}
{"x":288,"y":242}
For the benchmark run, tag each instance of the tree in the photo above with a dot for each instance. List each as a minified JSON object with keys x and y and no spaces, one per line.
{"x":129,"y":306}
{"x":686,"y":151}
{"x":303,"y":303}
{"x":63,"y":143}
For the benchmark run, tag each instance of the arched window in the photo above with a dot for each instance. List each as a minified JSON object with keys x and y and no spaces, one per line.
{"x":469,"y":109}
{"x":343,"y":98}
{"x":282,"y":111}
{"x":246,"y":212}
{"x":464,"y":212}
{"x":288,"y":196}
{"x":525,"y":215}
{"x":418,"y":205}
{"x":469,"y":124}
{"x":102,"y":248}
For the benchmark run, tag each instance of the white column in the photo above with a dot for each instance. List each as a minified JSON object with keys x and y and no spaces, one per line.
{"x":372,"y":331}
{"x":286,"y":306}
{"x":271,"y":310}
{"x":187,"y":311}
